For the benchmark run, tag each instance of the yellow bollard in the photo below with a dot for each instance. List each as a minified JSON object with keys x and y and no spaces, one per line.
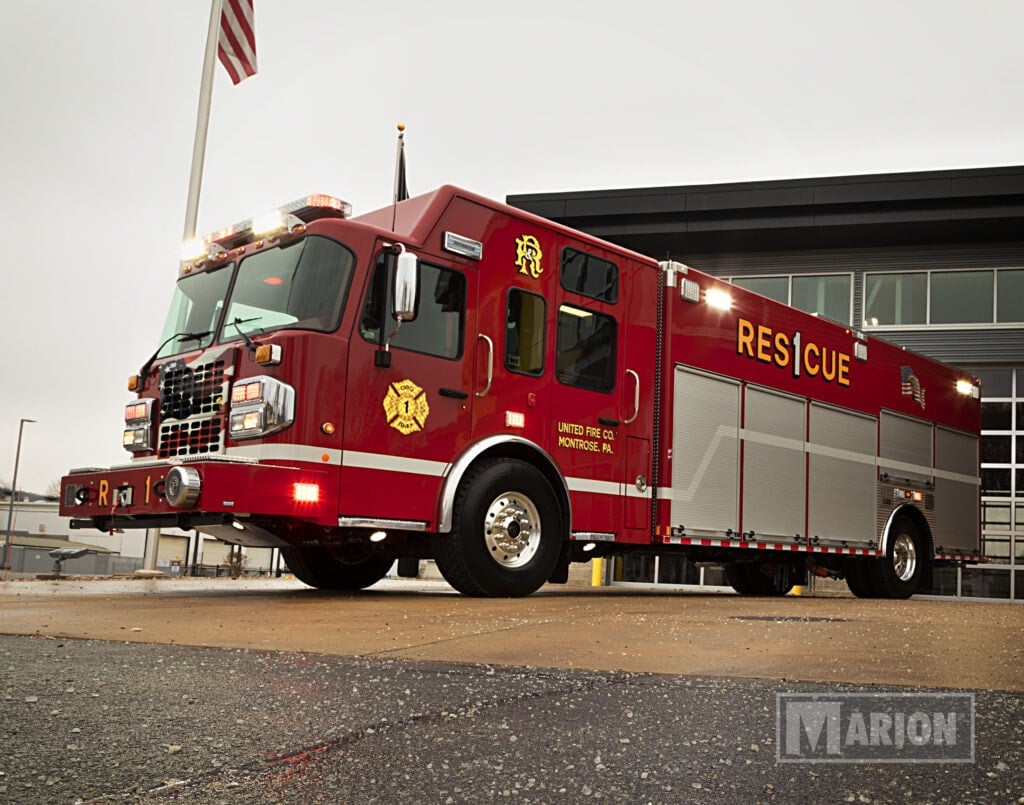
{"x":597,"y":572}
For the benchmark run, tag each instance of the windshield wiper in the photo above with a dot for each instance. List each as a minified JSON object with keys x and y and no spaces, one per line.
{"x":237,"y":325}
{"x":185,"y":336}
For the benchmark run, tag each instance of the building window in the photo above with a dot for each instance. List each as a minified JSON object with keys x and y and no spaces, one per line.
{"x":1010,"y":295}
{"x":961,"y":297}
{"x":776,"y":288}
{"x":941,"y":298}
{"x":895,"y":299}
{"x":1002,"y":468}
{"x":826,"y":295}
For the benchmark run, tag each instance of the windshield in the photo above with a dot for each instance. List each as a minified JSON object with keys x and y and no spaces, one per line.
{"x":195,"y":307}
{"x":298,"y":286}
{"x":301,"y":285}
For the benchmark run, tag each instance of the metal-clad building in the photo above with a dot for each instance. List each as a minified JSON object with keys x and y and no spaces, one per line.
{"x":933,"y":261}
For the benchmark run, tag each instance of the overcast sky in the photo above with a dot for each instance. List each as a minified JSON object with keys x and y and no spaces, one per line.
{"x":98,"y":107}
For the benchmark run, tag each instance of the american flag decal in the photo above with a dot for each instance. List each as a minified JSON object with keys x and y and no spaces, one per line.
{"x":911,"y":386}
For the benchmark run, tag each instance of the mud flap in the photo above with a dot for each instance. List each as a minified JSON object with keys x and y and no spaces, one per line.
{"x":560,"y":572}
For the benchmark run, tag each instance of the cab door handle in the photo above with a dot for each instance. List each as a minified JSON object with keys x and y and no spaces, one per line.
{"x":455,"y":394}
{"x":490,"y":364}
{"x":636,"y":396}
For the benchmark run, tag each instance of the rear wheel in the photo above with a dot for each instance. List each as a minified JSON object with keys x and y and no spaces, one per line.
{"x":898,"y":574}
{"x":328,"y":569}
{"x":736,"y":575}
{"x":506,"y":538}
{"x":757,"y":578}
{"x":858,"y":579}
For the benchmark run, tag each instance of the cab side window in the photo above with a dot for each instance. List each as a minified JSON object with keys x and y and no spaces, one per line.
{"x":586,"y":348}
{"x":438,"y":328}
{"x":525,"y":315}
{"x":591,"y":276}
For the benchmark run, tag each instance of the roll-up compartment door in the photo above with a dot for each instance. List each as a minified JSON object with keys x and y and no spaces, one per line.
{"x":774,"y":484}
{"x":957,"y":499}
{"x":842,"y":487}
{"x":705,"y":452}
{"x":905,"y":447}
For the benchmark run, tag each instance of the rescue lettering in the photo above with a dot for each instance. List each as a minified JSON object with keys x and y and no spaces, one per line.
{"x":786,"y":351}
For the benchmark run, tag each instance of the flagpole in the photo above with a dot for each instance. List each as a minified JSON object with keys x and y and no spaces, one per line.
{"x":195,"y":180}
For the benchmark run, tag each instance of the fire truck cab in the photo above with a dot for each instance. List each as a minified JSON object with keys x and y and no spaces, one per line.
{"x":454,"y":379}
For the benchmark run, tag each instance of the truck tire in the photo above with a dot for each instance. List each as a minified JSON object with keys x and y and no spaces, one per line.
{"x":898,"y":574}
{"x":735,"y":574}
{"x":505,"y":540}
{"x":858,"y":578}
{"x":777,"y":584}
{"x":325,"y":569}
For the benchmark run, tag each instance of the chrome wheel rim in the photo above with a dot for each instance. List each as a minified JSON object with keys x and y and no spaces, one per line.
{"x":512,"y":530}
{"x":904,"y":557}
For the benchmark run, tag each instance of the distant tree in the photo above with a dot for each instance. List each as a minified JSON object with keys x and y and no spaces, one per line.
{"x":53,"y":490}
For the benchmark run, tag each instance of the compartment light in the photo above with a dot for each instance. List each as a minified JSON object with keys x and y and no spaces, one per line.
{"x":718,"y":299}
{"x":968,"y":389}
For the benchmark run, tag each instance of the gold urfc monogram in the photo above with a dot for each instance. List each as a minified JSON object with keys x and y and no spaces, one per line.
{"x":528,"y":256}
{"x":405,"y":407}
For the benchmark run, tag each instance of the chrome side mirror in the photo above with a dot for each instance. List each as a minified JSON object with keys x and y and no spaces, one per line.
{"x":403,"y":300}
{"x":406,"y":273}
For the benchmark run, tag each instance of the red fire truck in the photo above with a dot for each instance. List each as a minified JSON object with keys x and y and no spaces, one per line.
{"x":454,"y":379}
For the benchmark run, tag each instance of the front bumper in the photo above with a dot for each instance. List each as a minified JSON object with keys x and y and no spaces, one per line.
{"x":136,"y":496}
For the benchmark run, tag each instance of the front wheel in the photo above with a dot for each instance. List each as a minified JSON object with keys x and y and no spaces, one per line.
{"x":506,"y":537}
{"x":326,"y":569}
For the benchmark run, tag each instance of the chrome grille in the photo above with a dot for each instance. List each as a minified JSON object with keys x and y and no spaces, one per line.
{"x":187,"y":391}
{"x":191,"y":438}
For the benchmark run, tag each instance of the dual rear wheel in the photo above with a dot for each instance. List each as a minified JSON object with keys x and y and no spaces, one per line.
{"x":758,"y":578}
{"x":897,"y":574}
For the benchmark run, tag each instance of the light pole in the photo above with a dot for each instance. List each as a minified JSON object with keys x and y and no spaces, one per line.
{"x":10,"y":509}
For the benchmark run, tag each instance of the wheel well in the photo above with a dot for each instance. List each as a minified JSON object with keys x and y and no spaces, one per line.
{"x":499,"y":448}
{"x":915,"y":516}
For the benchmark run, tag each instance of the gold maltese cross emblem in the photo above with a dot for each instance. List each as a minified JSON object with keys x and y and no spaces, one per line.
{"x":405,"y":407}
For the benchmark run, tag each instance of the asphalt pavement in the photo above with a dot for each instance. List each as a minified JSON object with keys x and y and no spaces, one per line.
{"x":113,"y":721}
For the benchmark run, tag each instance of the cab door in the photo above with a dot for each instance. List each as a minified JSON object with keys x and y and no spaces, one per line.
{"x":406,"y":415}
{"x":589,"y":439}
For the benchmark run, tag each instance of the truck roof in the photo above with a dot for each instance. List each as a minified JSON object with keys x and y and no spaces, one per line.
{"x":415,"y":218}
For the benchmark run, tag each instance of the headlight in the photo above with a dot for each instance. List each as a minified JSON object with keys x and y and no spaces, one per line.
{"x":138,"y":426}
{"x":260,"y":405}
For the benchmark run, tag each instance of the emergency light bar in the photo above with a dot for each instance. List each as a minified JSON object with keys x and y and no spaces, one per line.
{"x":292,"y":217}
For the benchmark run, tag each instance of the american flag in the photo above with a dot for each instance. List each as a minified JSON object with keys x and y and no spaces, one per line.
{"x":236,"y":46}
{"x":911,"y":386}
